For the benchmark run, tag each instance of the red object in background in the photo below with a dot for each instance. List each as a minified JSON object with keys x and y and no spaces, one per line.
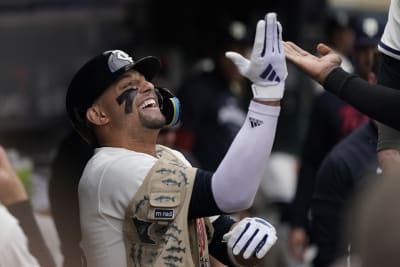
{"x":184,"y":140}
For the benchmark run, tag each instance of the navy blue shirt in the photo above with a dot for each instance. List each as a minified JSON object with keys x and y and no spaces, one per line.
{"x":331,"y":120}
{"x":341,"y":174}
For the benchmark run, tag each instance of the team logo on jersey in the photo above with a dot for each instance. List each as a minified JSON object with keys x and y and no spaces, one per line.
{"x":255,"y":122}
{"x":118,"y":59}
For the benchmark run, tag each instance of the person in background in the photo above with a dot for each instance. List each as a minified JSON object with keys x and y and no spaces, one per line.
{"x":215,"y":99}
{"x":21,"y":242}
{"x":344,"y":169}
{"x":374,"y":223}
{"x":343,"y":173}
{"x":331,"y":121}
{"x":339,"y":34}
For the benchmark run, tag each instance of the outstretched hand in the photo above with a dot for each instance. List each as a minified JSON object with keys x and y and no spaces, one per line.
{"x":317,"y":68}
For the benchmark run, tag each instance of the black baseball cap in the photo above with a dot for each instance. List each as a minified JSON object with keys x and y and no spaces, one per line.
{"x":368,"y":31}
{"x":95,"y":76}
{"x":337,"y":21}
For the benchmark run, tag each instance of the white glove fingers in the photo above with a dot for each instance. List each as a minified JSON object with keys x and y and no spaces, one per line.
{"x":259,"y":40}
{"x":237,"y":232}
{"x":232,"y":240}
{"x":266,"y":67}
{"x":264,"y":246}
{"x":245,"y":239}
{"x":280,"y":51}
{"x":271,"y":31}
{"x":260,"y":251}
{"x":253,"y":245}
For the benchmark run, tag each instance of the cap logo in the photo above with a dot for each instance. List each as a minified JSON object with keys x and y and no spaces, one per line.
{"x":118,"y":59}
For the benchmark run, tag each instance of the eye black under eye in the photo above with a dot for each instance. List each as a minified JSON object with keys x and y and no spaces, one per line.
{"x":130,"y":87}
{"x":127,"y":96}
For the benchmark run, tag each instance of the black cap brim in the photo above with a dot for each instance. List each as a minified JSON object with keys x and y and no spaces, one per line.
{"x":147,"y":66}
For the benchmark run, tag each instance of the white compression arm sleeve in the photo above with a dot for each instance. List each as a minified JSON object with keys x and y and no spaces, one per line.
{"x":236,"y":180}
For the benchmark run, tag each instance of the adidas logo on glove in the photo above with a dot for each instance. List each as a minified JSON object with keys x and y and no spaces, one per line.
{"x":270,"y":74}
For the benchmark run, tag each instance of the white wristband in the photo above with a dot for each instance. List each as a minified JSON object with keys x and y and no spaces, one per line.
{"x":271,"y":92}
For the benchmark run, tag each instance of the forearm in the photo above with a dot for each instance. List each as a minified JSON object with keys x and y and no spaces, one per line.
{"x":378,"y":102}
{"x":236,"y":180}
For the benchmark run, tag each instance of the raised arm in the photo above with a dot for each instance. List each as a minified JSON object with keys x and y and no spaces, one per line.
{"x":236,"y":180}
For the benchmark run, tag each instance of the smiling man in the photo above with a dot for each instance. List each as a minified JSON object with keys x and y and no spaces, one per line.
{"x":142,"y":204}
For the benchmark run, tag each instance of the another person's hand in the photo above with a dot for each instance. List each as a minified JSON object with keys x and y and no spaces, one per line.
{"x":11,"y":188}
{"x":250,"y":240}
{"x":317,"y":68}
{"x":298,"y":242}
{"x":266,"y":67}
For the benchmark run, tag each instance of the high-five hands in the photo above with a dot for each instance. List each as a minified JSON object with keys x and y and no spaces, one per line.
{"x":317,"y":68}
{"x":266,"y":67}
{"x":250,"y":239}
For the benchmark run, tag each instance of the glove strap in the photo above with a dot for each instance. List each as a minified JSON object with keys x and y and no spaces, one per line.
{"x":269,"y":93}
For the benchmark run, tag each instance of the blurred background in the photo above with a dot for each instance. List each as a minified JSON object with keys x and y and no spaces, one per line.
{"x":43,"y":42}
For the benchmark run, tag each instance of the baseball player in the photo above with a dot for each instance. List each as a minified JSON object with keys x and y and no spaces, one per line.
{"x":142,"y":204}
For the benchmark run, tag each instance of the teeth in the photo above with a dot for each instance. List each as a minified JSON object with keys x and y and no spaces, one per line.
{"x":147,"y":103}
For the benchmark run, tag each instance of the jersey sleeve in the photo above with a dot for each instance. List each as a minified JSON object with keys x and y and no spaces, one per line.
{"x":202,"y":202}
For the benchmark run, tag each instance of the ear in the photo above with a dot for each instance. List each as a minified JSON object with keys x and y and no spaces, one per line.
{"x":96,"y":116}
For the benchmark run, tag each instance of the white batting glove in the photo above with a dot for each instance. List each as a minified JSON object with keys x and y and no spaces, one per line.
{"x":253,"y":235}
{"x":266,"y":67}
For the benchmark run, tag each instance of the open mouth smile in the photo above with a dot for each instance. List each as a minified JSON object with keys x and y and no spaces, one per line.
{"x":149,"y":103}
